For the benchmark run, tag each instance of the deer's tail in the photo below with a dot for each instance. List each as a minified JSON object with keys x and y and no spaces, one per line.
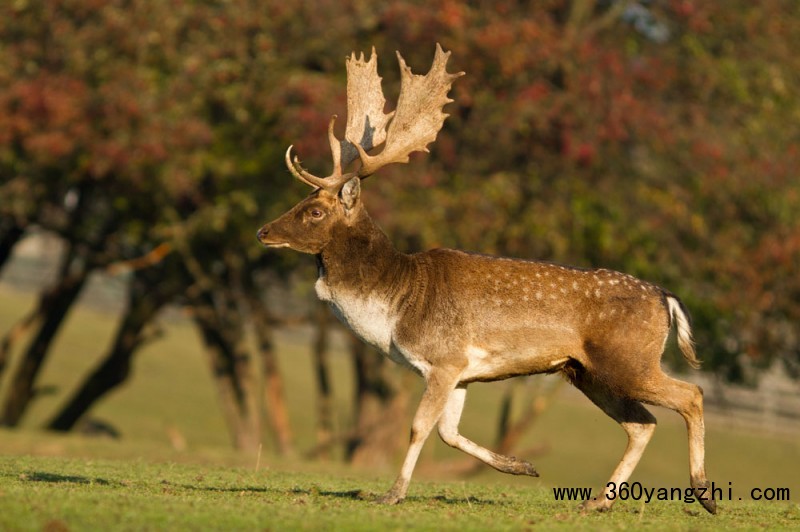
{"x":680,"y":316}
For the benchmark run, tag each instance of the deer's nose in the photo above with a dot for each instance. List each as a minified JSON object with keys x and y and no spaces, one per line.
{"x":262,"y":233}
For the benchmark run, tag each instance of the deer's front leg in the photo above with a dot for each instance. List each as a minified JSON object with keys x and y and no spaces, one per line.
{"x":448,"y":430}
{"x":439,"y":383}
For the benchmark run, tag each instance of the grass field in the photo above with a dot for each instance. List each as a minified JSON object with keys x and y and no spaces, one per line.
{"x":141,"y":482}
{"x":47,"y":493}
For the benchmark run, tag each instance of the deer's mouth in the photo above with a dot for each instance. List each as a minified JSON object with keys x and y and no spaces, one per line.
{"x":263,"y":236}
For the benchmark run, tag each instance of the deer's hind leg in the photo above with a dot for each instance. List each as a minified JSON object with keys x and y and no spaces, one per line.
{"x":638,"y":423}
{"x":448,"y":431}
{"x":687,"y":400}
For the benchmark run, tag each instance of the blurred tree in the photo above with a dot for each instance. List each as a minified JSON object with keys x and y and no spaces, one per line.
{"x":652,"y":137}
{"x":132,"y":126}
{"x":733,"y":159}
{"x":657,"y":137}
{"x":146,"y":296}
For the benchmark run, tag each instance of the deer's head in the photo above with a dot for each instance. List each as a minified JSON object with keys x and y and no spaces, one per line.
{"x":310,"y":225}
{"x":335,"y":201}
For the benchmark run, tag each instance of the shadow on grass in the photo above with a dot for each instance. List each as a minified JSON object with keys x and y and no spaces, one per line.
{"x":445,"y":498}
{"x":355,"y":495}
{"x":55,"y":478}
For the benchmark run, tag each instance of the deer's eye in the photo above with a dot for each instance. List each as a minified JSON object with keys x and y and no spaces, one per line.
{"x":316,"y":213}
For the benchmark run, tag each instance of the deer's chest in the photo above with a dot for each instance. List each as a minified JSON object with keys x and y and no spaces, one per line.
{"x":369,"y":317}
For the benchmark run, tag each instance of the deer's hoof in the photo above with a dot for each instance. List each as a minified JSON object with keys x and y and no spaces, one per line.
{"x":594,"y":505}
{"x":389,"y":498}
{"x":703,"y":494}
{"x":521,"y":467}
{"x":708,"y":503}
{"x":710,"y":506}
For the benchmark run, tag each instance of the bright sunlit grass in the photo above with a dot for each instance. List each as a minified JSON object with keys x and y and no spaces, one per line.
{"x":142,"y":482}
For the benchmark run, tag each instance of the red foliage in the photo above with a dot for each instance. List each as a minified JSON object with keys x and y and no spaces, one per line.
{"x":573,"y":137}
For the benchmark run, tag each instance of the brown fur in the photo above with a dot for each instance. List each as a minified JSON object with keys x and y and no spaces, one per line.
{"x":456,"y":318}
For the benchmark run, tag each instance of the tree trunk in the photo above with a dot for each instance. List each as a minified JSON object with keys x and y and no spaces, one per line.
{"x":54,"y":303}
{"x":11,"y":233}
{"x":381,"y":410}
{"x":148,"y":291}
{"x":17,"y":331}
{"x":54,"y":306}
{"x":222,"y":331}
{"x":324,"y":392}
{"x":510,"y":432}
{"x":276,"y":409}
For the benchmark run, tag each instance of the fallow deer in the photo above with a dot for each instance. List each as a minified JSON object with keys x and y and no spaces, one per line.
{"x":456,"y":318}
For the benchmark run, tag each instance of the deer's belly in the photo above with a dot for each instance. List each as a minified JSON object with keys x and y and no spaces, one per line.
{"x":511,"y":361}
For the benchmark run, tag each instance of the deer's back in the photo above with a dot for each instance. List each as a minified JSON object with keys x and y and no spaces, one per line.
{"x":514,"y":316}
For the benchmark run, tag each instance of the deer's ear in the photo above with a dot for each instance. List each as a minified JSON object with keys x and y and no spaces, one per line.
{"x":350,"y":193}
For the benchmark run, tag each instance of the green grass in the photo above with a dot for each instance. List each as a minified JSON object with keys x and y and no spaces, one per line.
{"x":141,"y":482}
{"x":58,"y":493}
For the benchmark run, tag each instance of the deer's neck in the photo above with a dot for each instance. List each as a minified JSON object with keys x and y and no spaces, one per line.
{"x":365,"y":280}
{"x":361,"y":259}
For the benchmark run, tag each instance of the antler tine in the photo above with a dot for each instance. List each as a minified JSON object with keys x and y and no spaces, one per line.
{"x":336,"y":150}
{"x":332,"y":183}
{"x":366,"y":123}
{"x":411,"y":127}
{"x":418,"y":117}
{"x":295,"y":172}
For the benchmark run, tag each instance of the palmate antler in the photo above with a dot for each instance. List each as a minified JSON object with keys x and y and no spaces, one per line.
{"x":411,"y":127}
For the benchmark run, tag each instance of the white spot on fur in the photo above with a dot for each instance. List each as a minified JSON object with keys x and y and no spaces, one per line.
{"x":476,"y":359}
